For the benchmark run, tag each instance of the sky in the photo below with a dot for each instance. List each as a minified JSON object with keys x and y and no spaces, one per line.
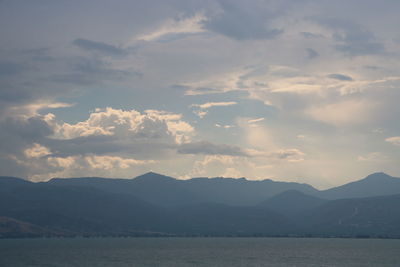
{"x":291,"y":90}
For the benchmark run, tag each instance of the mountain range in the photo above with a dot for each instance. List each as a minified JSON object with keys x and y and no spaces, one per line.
{"x":158,"y":205}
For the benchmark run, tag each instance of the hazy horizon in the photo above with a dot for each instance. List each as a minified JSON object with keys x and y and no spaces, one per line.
{"x":300,"y":91}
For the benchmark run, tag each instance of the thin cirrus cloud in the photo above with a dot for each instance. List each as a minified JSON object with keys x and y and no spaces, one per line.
{"x":201,"y":110}
{"x":252,"y":121}
{"x":101,"y":47}
{"x":172,"y":29}
{"x":214,"y":104}
{"x":227,"y":126}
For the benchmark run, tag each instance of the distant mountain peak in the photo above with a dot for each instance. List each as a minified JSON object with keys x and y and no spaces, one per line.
{"x":378,"y":175}
{"x":153,"y":176}
{"x":376,"y":184}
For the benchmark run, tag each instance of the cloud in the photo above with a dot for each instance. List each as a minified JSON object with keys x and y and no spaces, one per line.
{"x":252,"y":121}
{"x":378,"y":131}
{"x":351,"y":39}
{"x":359,"y":48}
{"x":43,"y":76}
{"x":281,"y":60}
{"x":83,"y":165}
{"x":100,"y":47}
{"x":11,"y":68}
{"x":34,"y":108}
{"x":220,"y":83}
{"x":224,"y":126}
{"x":347,"y":112}
{"x":214,"y":104}
{"x":372,"y":157}
{"x":291,"y":155}
{"x":86,"y":71}
{"x":213,"y":165}
{"x":193,"y":90}
{"x":176,"y":28}
{"x":240,"y":21}
{"x":287,"y":87}
{"x":110,"y":162}
{"x":36,"y":151}
{"x":340,"y":77}
{"x":311,"y":53}
{"x":23,"y":139}
{"x":110,"y":142}
{"x":254,"y":165}
{"x":208,"y":148}
{"x":131,"y":124}
{"x":33,"y":142}
{"x":310,"y":35}
{"x":201,"y":110}
{"x":283,"y":154}
{"x":395,"y":140}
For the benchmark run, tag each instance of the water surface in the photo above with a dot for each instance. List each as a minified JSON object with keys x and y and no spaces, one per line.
{"x":199,"y":252}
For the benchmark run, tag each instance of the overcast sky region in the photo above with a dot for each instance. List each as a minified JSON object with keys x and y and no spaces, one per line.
{"x":290,"y":90}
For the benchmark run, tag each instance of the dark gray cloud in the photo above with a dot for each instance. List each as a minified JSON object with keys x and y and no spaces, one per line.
{"x":351,"y":38}
{"x":207,"y":148}
{"x":18,"y":134}
{"x":341,"y":77}
{"x":46,"y":75}
{"x":38,"y":54}
{"x":87,"y":71}
{"x":11,"y":94}
{"x":71,"y":78}
{"x":99,"y":47}
{"x":311,"y":53}
{"x":359,"y":47}
{"x":242,"y":22}
{"x":98,"y":145}
{"x":11,"y":68}
{"x":107,"y":145}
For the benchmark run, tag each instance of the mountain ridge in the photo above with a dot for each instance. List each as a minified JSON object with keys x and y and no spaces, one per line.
{"x":164,"y":206}
{"x":375,"y":184}
{"x":371,"y":176}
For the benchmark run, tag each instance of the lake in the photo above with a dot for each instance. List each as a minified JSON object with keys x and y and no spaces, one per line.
{"x":199,"y":252}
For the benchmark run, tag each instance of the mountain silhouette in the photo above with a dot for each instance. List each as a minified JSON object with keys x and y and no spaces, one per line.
{"x":376,"y":184}
{"x":167,"y":191}
{"x":156,"y":205}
